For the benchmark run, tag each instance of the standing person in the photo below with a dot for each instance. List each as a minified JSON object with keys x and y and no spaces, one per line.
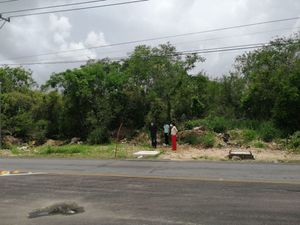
{"x":173,"y":135}
{"x":153,"y":134}
{"x":166,"y":133}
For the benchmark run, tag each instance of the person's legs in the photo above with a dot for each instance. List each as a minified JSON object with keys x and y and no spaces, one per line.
{"x":166,"y":138}
{"x":153,"y":141}
{"x":174,"y":147}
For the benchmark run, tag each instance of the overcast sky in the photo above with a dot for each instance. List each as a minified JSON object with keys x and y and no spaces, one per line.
{"x":79,"y":29}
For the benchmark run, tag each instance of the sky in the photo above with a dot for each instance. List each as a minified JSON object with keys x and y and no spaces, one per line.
{"x":39,"y":34}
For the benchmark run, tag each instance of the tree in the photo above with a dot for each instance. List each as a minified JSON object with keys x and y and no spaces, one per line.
{"x":272,"y":83}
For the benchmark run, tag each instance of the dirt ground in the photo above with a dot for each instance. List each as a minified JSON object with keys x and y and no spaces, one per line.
{"x":186,"y":152}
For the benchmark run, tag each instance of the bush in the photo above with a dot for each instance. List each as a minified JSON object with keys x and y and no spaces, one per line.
{"x":190,"y":124}
{"x":192,"y":139}
{"x":294,"y":142}
{"x":268,"y":132}
{"x":259,"y":144}
{"x":208,"y":140}
{"x":217,"y":124}
{"x":249,"y":135}
{"x":98,"y":136}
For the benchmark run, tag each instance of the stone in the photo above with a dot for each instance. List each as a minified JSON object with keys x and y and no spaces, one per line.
{"x":74,"y":140}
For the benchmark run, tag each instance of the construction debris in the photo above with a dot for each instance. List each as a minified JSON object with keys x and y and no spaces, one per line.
{"x":240,"y":155}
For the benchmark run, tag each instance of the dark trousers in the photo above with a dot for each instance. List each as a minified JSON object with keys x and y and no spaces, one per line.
{"x":153,"y":141}
{"x":166,"y":135}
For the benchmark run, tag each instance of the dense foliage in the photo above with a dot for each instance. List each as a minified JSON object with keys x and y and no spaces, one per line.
{"x":154,"y":84}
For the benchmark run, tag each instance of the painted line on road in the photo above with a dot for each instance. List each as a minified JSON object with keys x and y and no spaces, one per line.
{"x":179,"y":178}
{"x":7,"y":173}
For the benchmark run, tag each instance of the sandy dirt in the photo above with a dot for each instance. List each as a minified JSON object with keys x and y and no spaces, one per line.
{"x":186,"y":152}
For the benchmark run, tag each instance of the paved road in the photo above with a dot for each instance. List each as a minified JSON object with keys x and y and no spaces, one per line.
{"x":152,"y":193}
{"x":138,"y":201}
{"x":262,"y":172}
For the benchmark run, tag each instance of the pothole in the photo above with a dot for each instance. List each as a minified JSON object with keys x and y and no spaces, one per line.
{"x":57,"y":209}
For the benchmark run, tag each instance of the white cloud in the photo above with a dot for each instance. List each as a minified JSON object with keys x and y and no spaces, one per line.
{"x":80,"y":29}
{"x":95,"y":39}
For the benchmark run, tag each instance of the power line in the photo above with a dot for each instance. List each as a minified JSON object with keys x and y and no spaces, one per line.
{"x":80,"y":8}
{"x":2,"y":25}
{"x":208,"y":39}
{"x":158,"y":38}
{"x":53,"y":6}
{"x":186,"y":52}
{"x":8,"y":1}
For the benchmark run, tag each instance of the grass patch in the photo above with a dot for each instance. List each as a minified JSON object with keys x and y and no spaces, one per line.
{"x":125,"y":151}
{"x":66,"y":149}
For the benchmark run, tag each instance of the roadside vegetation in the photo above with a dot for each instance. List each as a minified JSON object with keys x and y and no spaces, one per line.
{"x":256,"y":105}
{"x":105,"y":151}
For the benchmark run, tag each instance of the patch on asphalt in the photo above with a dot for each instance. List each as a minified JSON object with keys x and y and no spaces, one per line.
{"x":15,"y":173}
{"x":67,"y":209}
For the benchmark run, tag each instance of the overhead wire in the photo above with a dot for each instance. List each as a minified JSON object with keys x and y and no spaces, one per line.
{"x":53,"y":6}
{"x":79,"y":8}
{"x":157,"y":38}
{"x":8,"y":1}
{"x":186,"y":52}
{"x":201,"y":40}
{"x":2,"y":25}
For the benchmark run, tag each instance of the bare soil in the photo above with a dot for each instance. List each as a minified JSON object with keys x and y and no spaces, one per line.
{"x":187,"y":152}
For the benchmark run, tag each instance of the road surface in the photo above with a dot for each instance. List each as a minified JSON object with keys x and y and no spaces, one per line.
{"x":152,"y":192}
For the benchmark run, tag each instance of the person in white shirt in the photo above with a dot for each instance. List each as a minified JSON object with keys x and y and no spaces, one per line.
{"x":166,"y":133}
{"x":174,"y":131}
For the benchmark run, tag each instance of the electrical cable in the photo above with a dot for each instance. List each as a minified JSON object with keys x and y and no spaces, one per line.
{"x":186,"y":52}
{"x":77,"y":9}
{"x":8,"y":1}
{"x":2,"y":25}
{"x":54,"y":6}
{"x":157,"y":38}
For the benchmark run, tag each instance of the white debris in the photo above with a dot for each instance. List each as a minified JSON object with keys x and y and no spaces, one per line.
{"x":146,"y":153}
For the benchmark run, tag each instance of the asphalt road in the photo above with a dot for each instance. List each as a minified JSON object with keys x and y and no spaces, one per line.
{"x":146,"y":193}
{"x":227,"y":171}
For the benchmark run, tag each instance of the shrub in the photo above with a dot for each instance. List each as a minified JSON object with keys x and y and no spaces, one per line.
{"x":208,"y":140}
{"x":259,"y":144}
{"x":294,"y":142}
{"x":217,"y":124}
{"x":268,"y":131}
{"x":98,"y":136}
{"x":249,"y":135}
{"x":190,"y":124}
{"x":192,"y":139}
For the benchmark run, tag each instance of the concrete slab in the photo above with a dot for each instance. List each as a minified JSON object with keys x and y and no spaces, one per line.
{"x":240,"y":154}
{"x":146,"y":153}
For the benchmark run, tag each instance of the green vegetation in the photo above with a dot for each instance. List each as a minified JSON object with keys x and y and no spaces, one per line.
{"x":106,"y":151}
{"x":208,"y":140}
{"x":294,"y":142}
{"x":260,"y":98}
{"x":259,"y":144}
{"x":249,"y":135}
